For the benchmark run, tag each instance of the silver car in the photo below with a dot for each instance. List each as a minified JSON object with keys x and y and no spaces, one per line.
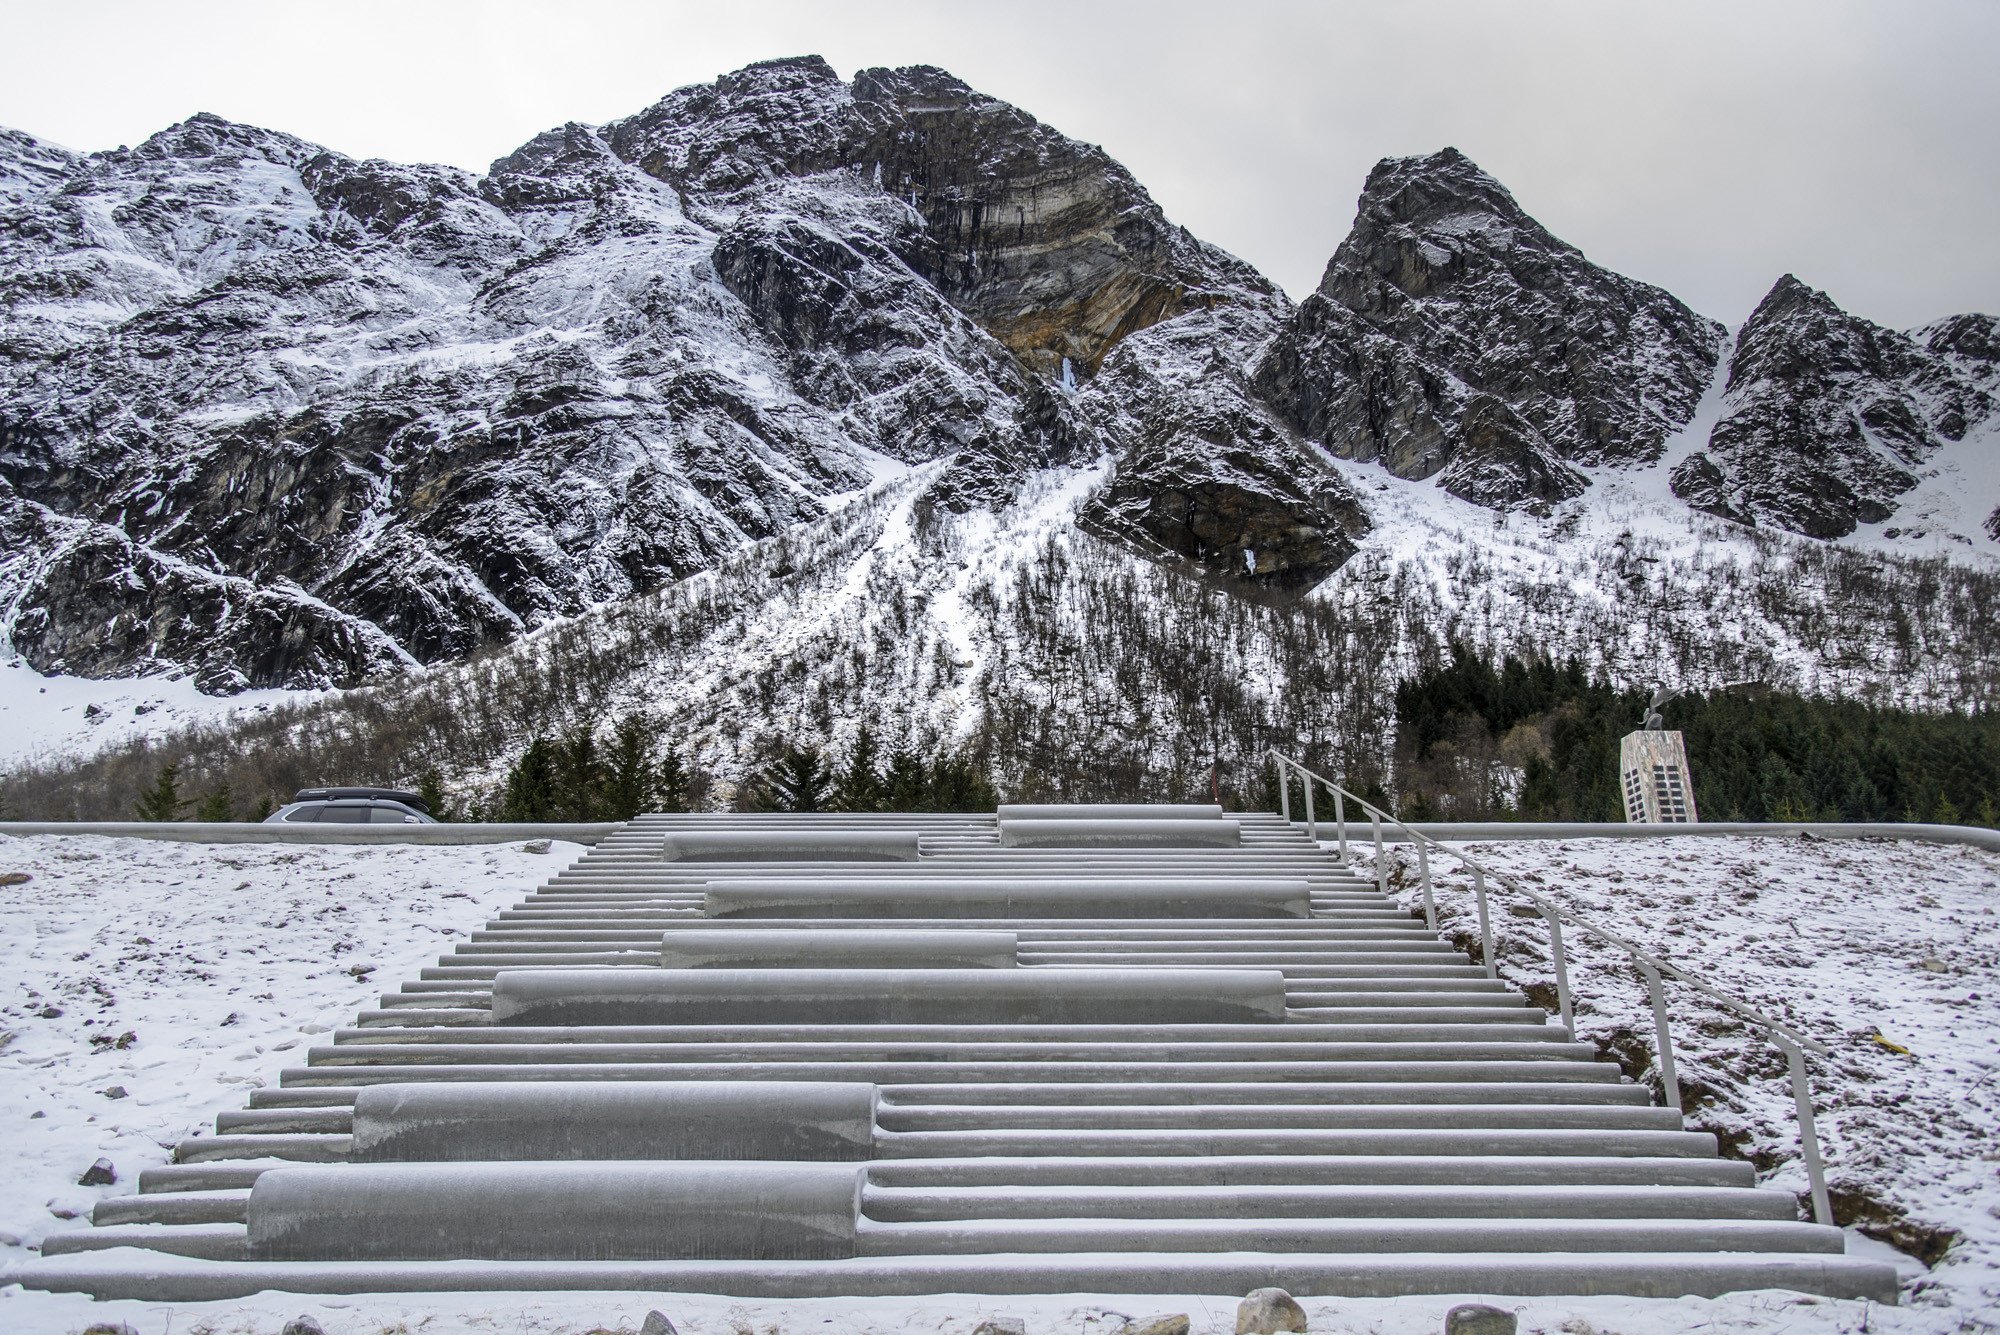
{"x":354,"y":806}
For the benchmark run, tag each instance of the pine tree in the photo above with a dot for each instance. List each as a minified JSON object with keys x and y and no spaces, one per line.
{"x":860,"y":787}
{"x":631,"y":781}
{"x":163,"y":801}
{"x":531,"y":793}
{"x":430,"y":788}
{"x":672,"y":783}
{"x":578,"y":776}
{"x":907,"y":783}
{"x":218,"y":807}
{"x":262,"y":811}
{"x":799,"y":781}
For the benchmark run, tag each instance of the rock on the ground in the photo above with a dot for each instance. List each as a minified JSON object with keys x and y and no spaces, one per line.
{"x":1479,"y":1319}
{"x":1177,"y":1324}
{"x":1269,"y":1311}
{"x":656,"y":1323}
{"x":99,"y":1174}
{"x":1001,"y":1325}
{"x":303,"y":1325}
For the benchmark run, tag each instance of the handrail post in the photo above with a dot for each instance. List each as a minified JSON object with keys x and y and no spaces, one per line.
{"x":1485,"y":924}
{"x":1670,"y":1084}
{"x":1284,"y":787}
{"x":1340,"y":822}
{"x":1562,"y":964}
{"x":1424,"y":875}
{"x":1312,"y":821}
{"x":1381,"y":867}
{"x":1808,"y":1134}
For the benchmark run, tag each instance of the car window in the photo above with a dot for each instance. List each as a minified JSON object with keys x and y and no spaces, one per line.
{"x":356,"y":814}
{"x":388,"y":815}
{"x":303,"y":813}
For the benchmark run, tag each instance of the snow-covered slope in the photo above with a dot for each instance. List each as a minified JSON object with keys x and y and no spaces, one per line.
{"x":275,"y":417}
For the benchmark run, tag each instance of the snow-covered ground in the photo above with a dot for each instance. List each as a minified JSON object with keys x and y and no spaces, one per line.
{"x":43,"y":717}
{"x":1886,"y":951}
{"x":1847,"y":939}
{"x":187,"y":974}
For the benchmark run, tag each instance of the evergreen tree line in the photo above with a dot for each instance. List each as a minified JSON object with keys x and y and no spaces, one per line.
{"x":1465,"y":724}
{"x":801,"y":778}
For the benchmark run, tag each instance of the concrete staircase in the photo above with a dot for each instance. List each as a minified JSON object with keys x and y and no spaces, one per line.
{"x":1068,"y":1050}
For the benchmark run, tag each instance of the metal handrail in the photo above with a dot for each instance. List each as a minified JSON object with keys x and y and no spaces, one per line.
{"x":1655,"y":970}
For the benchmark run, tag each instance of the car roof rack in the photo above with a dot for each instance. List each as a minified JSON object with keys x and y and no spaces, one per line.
{"x":360,"y":794}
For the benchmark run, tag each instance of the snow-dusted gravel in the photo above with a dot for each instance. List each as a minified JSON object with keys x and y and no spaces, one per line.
{"x":166,"y":941}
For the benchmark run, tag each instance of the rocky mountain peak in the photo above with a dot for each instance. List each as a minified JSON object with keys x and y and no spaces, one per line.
{"x":1454,"y":336}
{"x":1830,"y":416}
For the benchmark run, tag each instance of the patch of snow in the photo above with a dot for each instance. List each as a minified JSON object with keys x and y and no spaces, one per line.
{"x":43,"y":717}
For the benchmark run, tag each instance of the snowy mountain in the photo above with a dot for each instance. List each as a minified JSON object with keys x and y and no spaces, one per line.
{"x":272,"y":416}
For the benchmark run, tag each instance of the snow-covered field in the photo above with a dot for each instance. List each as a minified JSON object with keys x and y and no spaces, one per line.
{"x":167,"y":941}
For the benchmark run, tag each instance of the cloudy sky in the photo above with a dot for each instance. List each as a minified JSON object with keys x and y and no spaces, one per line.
{"x":1708,"y":147}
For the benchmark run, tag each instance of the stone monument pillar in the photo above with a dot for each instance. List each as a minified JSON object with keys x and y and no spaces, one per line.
{"x":1653,"y":774}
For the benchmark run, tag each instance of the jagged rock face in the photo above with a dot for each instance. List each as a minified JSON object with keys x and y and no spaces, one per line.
{"x":441,"y":408}
{"x":1048,"y":244}
{"x":1452,"y":333}
{"x":1828,"y":415}
{"x":1212,"y":477}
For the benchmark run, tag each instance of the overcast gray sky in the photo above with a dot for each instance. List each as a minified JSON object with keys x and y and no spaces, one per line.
{"x":1707,"y":147}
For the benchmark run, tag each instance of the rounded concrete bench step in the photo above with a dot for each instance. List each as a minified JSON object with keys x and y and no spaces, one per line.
{"x":1217,"y":832}
{"x":1169,"y":1093}
{"x":1168,"y":1038}
{"x":1271,"y":1116}
{"x":276,"y":1121}
{"x":1356,"y":1236}
{"x":1034,"y":1173}
{"x":787,"y":846}
{"x":178,"y":1179}
{"x":985,"y":1073}
{"x":1523,"y":1274}
{"x":767,"y":1121}
{"x":1151,"y":1141}
{"x":296,"y":1148}
{"x":172,"y":1207}
{"x":1068,"y":897}
{"x":891,"y":996}
{"x":922,"y":1205}
{"x":884,"y":948}
{"x":555,"y":1211}
{"x":208,"y":1242}
{"x":919,"y":1054}
{"x":1108,"y":811}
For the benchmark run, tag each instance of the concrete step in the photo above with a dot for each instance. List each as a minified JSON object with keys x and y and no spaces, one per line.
{"x":1381,"y":1275}
{"x":987,"y":1236}
{"x":334,"y":1072}
{"x":208,"y":1242}
{"x":1030,"y":1174}
{"x":924,"y":1205}
{"x":1547,"y":1044}
{"x":173,"y":1207}
{"x":1192,"y":1116}
{"x":295,"y":1148}
{"x":1134,"y":1039}
{"x":1238,"y":1141}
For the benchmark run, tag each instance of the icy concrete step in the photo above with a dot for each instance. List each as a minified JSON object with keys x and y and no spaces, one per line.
{"x":922,"y":1205}
{"x":172,"y":1207}
{"x":209,"y":1242}
{"x":1024,"y":1174}
{"x":1382,"y":1275}
{"x":1374,"y":1235}
{"x":470,"y":1067}
{"x":1239,"y":1141}
{"x":1271,"y":1116}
